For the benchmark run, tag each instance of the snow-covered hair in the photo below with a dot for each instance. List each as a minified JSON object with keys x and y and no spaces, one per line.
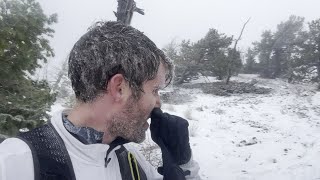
{"x":110,"y":48}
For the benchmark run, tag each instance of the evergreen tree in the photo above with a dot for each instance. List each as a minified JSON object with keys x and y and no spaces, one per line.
{"x":264,"y":50}
{"x":24,"y":45}
{"x":171,"y":50}
{"x":187,"y":62}
{"x":217,"y":50}
{"x":208,"y":56}
{"x":313,"y":44}
{"x":276,"y":50}
{"x":251,"y":66}
{"x":285,"y":39}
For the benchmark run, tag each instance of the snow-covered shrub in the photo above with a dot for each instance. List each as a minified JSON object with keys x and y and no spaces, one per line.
{"x":304,"y":74}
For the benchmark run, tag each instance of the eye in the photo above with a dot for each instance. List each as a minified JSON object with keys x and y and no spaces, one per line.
{"x":156,"y":91}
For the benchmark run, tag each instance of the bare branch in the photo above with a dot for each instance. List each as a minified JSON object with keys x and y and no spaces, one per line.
{"x":233,"y":54}
{"x":239,"y":38}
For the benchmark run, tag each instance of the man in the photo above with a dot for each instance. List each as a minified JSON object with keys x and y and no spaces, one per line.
{"x":116,"y":73}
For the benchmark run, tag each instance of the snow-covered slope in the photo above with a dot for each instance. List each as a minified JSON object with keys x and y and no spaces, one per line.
{"x":249,"y":136}
{"x":273,"y":136}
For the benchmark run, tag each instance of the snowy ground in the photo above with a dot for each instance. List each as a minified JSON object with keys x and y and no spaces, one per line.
{"x":274,"y":136}
{"x":249,"y":136}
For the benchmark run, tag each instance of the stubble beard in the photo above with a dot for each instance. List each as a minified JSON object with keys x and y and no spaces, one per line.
{"x":128,"y":124}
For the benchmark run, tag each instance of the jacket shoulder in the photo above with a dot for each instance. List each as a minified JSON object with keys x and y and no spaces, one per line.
{"x":14,"y":147}
{"x":15,"y":160}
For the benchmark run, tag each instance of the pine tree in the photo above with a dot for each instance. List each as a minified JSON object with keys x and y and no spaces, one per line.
{"x":251,"y":66}
{"x":264,"y":50}
{"x":216,"y":46}
{"x":187,"y":62}
{"x":275,"y":50}
{"x":24,"y":46}
{"x":285,"y":39}
{"x":314,"y":46}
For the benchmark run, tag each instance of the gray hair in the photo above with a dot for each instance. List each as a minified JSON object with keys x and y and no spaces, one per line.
{"x":110,"y":48}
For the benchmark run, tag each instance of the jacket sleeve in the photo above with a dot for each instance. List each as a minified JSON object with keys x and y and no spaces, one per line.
{"x":193,"y":167}
{"x":153,"y":174}
{"x":15,"y":160}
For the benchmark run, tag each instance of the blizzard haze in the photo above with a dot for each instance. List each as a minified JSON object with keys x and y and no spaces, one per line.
{"x":248,"y":135}
{"x":178,"y":19}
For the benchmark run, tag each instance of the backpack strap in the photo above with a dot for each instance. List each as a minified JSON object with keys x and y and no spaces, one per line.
{"x":130,"y":168}
{"x":50,"y":156}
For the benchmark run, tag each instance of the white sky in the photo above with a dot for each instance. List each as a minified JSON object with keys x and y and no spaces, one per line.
{"x":179,"y":19}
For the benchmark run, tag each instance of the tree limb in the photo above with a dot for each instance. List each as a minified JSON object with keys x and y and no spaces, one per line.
{"x":233,"y":54}
{"x":239,"y":38}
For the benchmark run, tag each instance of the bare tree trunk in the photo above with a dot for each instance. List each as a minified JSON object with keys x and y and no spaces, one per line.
{"x":277,"y":63}
{"x":233,"y":56}
{"x":125,"y":11}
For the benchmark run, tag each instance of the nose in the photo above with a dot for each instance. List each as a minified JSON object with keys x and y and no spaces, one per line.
{"x":158,"y":102}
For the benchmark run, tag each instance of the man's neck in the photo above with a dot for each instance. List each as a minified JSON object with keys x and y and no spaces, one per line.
{"x":86,"y":135}
{"x":81,"y":116}
{"x":84,"y":115}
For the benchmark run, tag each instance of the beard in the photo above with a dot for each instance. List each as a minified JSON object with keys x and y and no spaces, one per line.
{"x":129,"y":124}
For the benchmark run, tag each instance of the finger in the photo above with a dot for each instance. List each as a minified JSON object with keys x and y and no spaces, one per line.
{"x":156,"y":112}
{"x":160,"y":170}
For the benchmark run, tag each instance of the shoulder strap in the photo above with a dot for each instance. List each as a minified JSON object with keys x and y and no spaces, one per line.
{"x":130,"y":168}
{"x":50,"y":156}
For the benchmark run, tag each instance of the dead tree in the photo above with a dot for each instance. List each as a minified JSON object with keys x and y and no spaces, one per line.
{"x":234,"y":55}
{"x":125,"y":11}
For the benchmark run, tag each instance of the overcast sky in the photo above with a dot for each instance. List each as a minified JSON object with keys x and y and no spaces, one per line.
{"x":176,"y":19}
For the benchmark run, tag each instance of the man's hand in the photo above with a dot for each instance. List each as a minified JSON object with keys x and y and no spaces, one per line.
{"x":171,"y":134}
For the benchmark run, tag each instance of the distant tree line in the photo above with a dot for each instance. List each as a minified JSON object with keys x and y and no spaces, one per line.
{"x":210,"y":56}
{"x":291,"y":52}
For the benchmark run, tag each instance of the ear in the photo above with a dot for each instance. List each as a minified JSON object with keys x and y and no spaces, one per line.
{"x":118,"y":87}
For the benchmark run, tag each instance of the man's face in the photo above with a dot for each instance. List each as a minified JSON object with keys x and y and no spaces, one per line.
{"x":131,"y":123}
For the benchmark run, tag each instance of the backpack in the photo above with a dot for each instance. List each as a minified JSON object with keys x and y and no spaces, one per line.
{"x":52,"y":161}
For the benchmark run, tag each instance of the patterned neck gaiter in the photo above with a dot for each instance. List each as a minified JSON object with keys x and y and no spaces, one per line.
{"x":86,"y":135}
